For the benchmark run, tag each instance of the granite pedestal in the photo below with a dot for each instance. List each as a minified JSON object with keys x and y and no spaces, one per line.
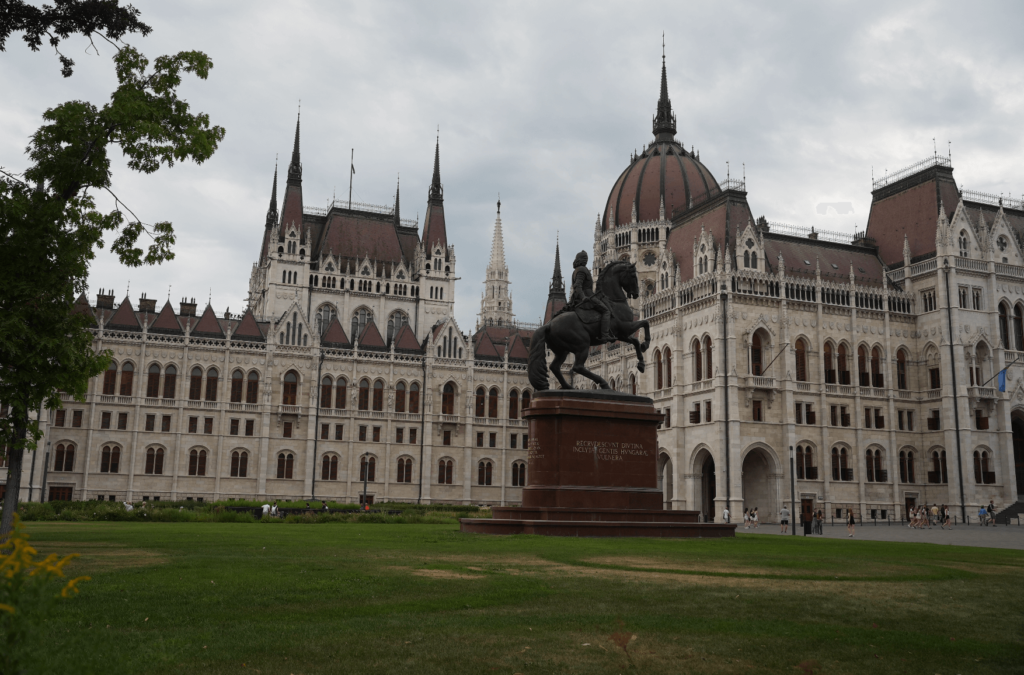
{"x":593,"y":472}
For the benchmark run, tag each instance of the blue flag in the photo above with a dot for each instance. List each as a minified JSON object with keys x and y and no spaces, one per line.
{"x":1002,"y":380}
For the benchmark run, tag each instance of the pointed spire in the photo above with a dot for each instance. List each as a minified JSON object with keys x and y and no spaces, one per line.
{"x":398,"y":217}
{"x":557,"y":286}
{"x":436,"y":191}
{"x":664,"y":119}
{"x":497,"y":246}
{"x":295,"y":167}
{"x":272,"y":210}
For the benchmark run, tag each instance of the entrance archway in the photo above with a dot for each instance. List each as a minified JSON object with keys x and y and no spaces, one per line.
{"x":758,"y":487}
{"x":708,"y":489}
{"x":665,"y":483}
{"x":1017,"y":424}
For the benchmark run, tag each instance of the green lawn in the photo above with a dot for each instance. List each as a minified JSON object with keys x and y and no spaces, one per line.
{"x":374,"y":598}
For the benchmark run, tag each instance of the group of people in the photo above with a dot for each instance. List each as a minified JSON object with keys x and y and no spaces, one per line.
{"x":987,"y":514}
{"x":750,"y":519}
{"x":921,"y":517}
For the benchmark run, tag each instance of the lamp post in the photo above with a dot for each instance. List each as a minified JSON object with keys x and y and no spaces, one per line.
{"x":366,"y":477}
{"x":792,"y":489}
{"x":956,"y":403}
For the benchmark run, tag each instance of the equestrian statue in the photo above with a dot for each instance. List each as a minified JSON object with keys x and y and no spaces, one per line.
{"x":591,"y":318}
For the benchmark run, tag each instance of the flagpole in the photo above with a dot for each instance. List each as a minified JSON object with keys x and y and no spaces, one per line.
{"x":351,"y":172}
{"x":1013,"y":363}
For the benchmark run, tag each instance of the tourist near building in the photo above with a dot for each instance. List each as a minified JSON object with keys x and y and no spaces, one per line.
{"x":866,"y":363}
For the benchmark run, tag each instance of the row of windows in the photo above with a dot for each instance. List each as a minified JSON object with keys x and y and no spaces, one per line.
{"x":491,"y":399}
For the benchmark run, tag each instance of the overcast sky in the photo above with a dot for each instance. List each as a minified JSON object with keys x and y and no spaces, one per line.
{"x":542,"y":102}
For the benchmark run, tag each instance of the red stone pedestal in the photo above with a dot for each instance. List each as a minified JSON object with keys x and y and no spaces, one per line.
{"x":593,"y":471}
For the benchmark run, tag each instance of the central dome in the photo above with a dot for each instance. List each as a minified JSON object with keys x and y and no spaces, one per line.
{"x":664,"y":175}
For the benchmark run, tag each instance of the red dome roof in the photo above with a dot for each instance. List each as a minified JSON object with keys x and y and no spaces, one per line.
{"x":663,"y":173}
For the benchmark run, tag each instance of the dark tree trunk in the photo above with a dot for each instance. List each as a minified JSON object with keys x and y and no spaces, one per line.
{"x":14,"y":459}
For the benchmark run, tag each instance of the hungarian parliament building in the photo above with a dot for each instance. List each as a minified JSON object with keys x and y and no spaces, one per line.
{"x":866,"y":364}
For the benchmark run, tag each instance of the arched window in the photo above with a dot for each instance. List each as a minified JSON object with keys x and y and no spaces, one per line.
{"x":862,"y":367}
{"x":110,"y":380}
{"x":324,"y":316}
{"x":526,"y":399}
{"x":519,"y":474}
{"x":875,"y":473}
{"x":444,"y":471}
{"x":901,"y":369}
{"x":127,"y":378}
{"x":977,"y":467}
{"x":239,"y":464}
{"x":484,"y":471}
{"x":448,"y":399}
{"x":632,"y":384}
{"x":513,"y":405}
{"x":1018,"y":328}
{"x":479,"y":409}
{"x":252,"y":387}
{"x":285,"y":464}
{"x":746,"y":258}
{"x":378,"y":395}
{"x":367,"y":469}
{"x":910,"y":467}
{"x":906,"y":466}
{"x":329,"y":468}
{"x":341,"y":393}
{"x":237,"y":379}
{"x":492,"y":403}
{"x":668,"y":367}
{"x":170,"y":380}
{"x":153,"y":382}
{"x":698,"y":363}
{"x":360,"y":318}
{"x":877,"y":377}
{"x":1004,"y":325}
{"x":110,"y":459}
{"x":364,"y":394}
{"x":291,"y":388}
{"x":211,"y":384}
{"x":404,"y":470}
{"x":938,"y":472}
{"x":400,"y":397}
{"x":414,"y":398}
{"x":195,"y":384}
{"x":657,"y":370}
{"x":155,"y":461}
{"x":64,"y":458}
{"x":844,"y":367}
{"x":707,"y":358}
{"x":326,"y":389}
{"x":395,"y":323}
{"x":197,"y":463}
{"x":830,"y":366}
{"x":801,"y":360}
{"x":755,"y":354}
{"x":965,"y":244}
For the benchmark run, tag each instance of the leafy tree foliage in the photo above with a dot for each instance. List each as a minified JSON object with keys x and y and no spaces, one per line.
{"x":51,"y":226}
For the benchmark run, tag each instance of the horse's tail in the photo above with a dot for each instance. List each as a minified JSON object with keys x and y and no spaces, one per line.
{"x":538,"y":361}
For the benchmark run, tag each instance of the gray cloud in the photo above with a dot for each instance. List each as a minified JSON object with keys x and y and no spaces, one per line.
{"x":543,"y":102}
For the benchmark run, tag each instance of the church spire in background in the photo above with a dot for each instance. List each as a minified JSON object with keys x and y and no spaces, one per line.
{"x":295,"y":167}
{"x":272,"y":210}
{"x":664,"y":119}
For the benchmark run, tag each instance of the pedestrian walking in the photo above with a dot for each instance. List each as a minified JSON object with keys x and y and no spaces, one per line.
{"x":725,"y":514}
{"x":746,"y":519}
{"x":945,"y":516}
{"x":991,"y":510}
{"x":821,"y":522}
{"x":933,"y":516}
{"x":982,"y":516}
{"x":850,"y":522}
{"x":753,"y":519}
{"x":784,"y":516}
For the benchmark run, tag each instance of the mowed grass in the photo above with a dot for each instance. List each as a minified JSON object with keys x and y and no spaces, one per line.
{"x":370,"y":598}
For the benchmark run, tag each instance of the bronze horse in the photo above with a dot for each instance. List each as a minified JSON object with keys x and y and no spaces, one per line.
{"x":568,"y":333}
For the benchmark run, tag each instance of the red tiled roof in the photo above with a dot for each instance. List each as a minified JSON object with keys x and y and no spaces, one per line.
{"x":247,"y":328}
{"x":723,"y":212}
{"x":484,"y":348}
{"x":867,"y":268}
{"x":335,"y":335}
{"x":434,"y":228}
{"x":166,"y":321}
{"x":518,"y":350}
{"x":208,"y":325}
{"x":124,"y":318}
{"x":554,"y":306}
{"x":371,"y":338}
{"x":912,"y":211}
{"x":355,"y":236}
{"x":406,"y":341}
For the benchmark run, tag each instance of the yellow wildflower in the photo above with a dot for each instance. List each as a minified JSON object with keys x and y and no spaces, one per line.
{"x":6,"y":608}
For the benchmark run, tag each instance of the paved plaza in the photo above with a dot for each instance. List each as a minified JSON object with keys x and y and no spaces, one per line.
{"x":999,"y":536}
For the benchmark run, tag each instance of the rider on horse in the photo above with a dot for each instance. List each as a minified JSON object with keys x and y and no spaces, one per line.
{"x":583,"y":296}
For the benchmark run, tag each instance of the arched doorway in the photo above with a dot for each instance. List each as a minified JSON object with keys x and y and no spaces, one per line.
{"x":1017,"y":425}
{"x":707,"y":489}
{"x":665,"y":483}
{"x":758,"y":487}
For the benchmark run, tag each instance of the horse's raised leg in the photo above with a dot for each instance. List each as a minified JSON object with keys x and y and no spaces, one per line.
{"x":556,"y":368}
{"x":640,"y":365}
{"x":579,"y":366}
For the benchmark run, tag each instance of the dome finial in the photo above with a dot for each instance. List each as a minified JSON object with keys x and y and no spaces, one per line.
{"x":664,"y":119}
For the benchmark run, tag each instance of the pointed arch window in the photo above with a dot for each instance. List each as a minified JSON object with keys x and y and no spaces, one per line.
{"x":237,"y":380}
{"x":127,"y":379}
{"x":707,"y":358}
{"x":668,"y":367}
{"x":513,"y":405}
{"x":395,"y":323}
{"x":110,"y":380}
{"x":448,"y":399}
{"x":155,"y":461}
{"x":1018,"y":328}
{"x":153,"y":382}
{"x":485,"y":472}
{"x":285,"y":465}
{"x":400,"y":397}
{"x":444,"y":471}
{"x":341,"y":393}
{"x":291,"y":388}
{"x":324,"y":316}
{"x":862,"y":367}
{"x":657,"y":369}
{"x":329,"y":468}
{"x":755,"y":354}
{"x":1004,"y":325}
{"x":492,"y":403}
{"x":519,"y":474}
{"x":378,"y":395}
{"x":414,"y":398}
{"x":239,"y":464}
{"x":211,"y":384}
{"x":64,"y":458}
{"x":252,"y":387}
{"x":965,"y":244}
{"x":170,"y":381}
{"x":698,"y":362}
{"x":526,"y":399}
{"x":364,"y":394}
{"x":830,"y":366}
{"x":480,"y":402}
{"x":326,"y":391}
{"x":801,"y":360}
{"x":844,"y":368}
{"x":110,"y":459}
{"x":195,"y":384}
{"x":404,"y":470}
{"x":197,"y":463}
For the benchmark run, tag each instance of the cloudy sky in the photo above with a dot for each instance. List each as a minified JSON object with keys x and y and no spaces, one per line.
{"x":542,"y":102}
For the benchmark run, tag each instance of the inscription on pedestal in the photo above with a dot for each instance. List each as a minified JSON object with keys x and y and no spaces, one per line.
{"x":610,"y":451}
